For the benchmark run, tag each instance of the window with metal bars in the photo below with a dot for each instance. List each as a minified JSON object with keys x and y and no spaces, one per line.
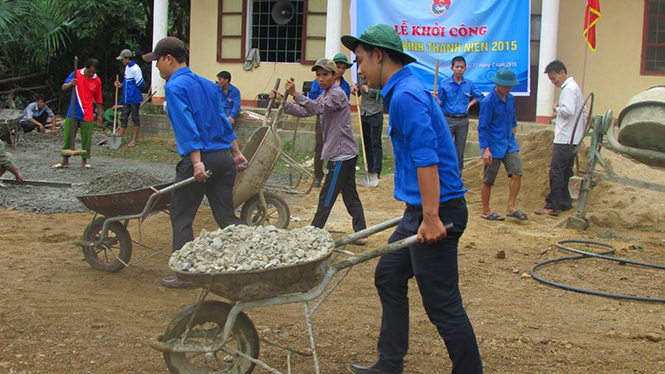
{"x":653,"y":44}
{"x":277,"y":43}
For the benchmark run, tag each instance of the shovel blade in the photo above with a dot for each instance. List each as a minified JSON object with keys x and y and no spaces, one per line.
{"x":114,"y":142}
{"x":369,"y":179}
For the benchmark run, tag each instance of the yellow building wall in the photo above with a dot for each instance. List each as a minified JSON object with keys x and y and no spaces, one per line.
{"x":203,"y":54}
{"x":613,"y":71}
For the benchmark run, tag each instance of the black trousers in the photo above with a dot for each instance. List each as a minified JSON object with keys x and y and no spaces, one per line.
{"x":29,"y":126}
{"x":372,"y":132}
{"x":561,"y":169}
{"x":132,"y":109}
{"x":218,"y":189}
{"x":318,"y":137}
{"x":435,"y":269}
{"x":341,"y":177}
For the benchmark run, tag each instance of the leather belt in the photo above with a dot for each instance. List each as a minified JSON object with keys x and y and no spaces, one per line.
{"x":456,"y":116}
{"x":448,"y":203}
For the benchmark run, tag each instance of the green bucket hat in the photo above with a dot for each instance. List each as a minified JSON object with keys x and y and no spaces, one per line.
{"x":326,"y":64}
{"x":341,"y":57}
{"x":381,"y":36}
{"x":505,"y":77}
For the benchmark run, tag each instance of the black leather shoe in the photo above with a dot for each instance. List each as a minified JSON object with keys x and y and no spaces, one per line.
{"x":317,"y":183}
{"x":375,"y":368}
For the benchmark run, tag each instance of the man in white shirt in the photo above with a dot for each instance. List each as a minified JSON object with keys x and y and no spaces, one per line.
{"x":571,"y":104}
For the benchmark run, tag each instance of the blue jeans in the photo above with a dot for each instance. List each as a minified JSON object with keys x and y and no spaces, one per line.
{"x":435,"y":269}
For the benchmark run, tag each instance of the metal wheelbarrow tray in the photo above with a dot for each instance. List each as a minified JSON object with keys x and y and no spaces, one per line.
{"x":264,"y":283}
{"x":125,"y":203}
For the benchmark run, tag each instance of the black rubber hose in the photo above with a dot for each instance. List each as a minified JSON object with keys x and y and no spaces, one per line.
{"x":602,"y":256}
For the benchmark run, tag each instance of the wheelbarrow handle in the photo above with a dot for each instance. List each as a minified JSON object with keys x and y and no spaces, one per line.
{"x":392,"y":247}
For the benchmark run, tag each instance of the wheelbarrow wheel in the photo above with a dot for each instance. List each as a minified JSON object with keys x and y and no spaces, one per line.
{"x":278,"y":214}
{"x":207,"y":326}
{"x":116,"y":247}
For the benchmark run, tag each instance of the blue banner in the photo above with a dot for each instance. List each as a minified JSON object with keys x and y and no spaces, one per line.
{"x":489,"y":34}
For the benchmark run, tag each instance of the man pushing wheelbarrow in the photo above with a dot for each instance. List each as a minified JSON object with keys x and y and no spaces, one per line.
{"x":427,"y":179}
{"x":205,"y":141}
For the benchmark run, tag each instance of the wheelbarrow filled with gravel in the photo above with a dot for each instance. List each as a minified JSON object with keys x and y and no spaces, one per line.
{"x":243,"y":266}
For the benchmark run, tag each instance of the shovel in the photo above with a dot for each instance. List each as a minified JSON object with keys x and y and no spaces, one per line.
{"x":368,"y":179}
{"x":114,"y":142}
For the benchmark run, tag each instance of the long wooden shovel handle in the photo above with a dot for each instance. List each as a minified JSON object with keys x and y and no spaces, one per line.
{"x":362,"y":132}
{"x":270,"y":102}
{"x":72,"y":120}
{"x":115,"y":107}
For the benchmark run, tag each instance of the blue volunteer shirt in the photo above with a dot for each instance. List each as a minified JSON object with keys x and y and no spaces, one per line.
{"x":420,"y":138}
{"x":316,"y":90}
{"x":196,"y":114}
{"x":455,"y":97}
{"x":132,"y":85}
{"x":230,"y":101}
{"x":496,"y":123}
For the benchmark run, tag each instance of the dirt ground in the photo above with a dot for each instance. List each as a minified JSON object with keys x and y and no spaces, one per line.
{"x":58,"y":315}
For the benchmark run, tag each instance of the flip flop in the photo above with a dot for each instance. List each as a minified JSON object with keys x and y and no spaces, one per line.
{"x":88,"y":166}
{"x":519,"y":215}
{"x":59,"y":166}
{"x":131,"y":144}
{"x":544,"y":211}
{"x":493,"y":217}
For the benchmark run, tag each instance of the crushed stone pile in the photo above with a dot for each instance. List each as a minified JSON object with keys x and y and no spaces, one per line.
{"x":244,"y":248}
{"x":120,"y":181}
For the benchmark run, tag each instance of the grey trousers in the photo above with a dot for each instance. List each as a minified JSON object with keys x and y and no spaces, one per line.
{"x":459,"y":129}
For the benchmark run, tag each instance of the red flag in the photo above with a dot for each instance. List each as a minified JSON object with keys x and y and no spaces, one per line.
{"x":591,"y":17}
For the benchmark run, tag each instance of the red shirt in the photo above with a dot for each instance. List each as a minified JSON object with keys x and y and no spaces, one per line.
{"x":88,"y":91}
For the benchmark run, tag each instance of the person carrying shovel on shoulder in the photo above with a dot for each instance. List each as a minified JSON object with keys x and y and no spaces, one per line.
{"x":87,"y":91}
{"x":339,"y":145}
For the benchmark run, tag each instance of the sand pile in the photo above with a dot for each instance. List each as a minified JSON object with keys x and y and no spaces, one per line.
{"x":611,"y":205}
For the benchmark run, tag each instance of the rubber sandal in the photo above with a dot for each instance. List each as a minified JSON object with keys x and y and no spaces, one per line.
{"x":59,"y":166}
{"x":88,"y":166}
{"x":493,"y":217}
{"x":131,"y":144}
{"x":544,"y":211}
{"x":519,"y":215}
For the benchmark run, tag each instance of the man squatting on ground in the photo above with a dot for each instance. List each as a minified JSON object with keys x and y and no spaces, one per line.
{"x":457,"y":95}
{"x":229,"y":96}
{"x":496,"y":136}
{"x":342,"y":63}
{"x":571,"y":104}
{"x":205,"y":140}
{"x":88,"y":90}
{"x":427,"y":180}
{"x":371,"y":114}
{"x":36,"y":116}
{"x":132,"y":86}
{"x":339,"y":145}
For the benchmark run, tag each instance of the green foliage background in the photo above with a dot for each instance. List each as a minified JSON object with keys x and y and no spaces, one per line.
{"x":43,"y":36}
